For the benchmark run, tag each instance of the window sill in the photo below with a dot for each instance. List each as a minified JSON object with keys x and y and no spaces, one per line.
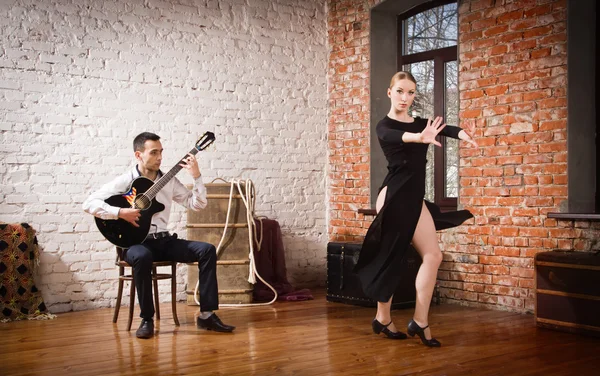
{"x":575,"y":216}
{"x":372,"y":212}
{"x":563,"y":216}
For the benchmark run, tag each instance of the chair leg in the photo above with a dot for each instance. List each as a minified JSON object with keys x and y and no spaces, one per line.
{"x":119,"y":296}
{"x":174,"y":292}
{"x":131,"y":302}
{"x":155,"y":283}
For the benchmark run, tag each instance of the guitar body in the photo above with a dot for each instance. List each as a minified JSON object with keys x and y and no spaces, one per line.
{"x":122,"y":233}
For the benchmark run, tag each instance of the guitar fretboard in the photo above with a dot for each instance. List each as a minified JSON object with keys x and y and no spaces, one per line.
{"x":153,"y":191}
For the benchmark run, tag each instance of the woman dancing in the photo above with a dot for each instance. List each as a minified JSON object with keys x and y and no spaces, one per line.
{"x":403,"y":216}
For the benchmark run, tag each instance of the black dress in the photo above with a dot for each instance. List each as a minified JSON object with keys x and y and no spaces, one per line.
{"x":392,"y":230}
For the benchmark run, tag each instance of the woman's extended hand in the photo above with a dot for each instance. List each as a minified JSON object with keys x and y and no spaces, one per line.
{"x":427,"y":136}
{"x":467,"y":135}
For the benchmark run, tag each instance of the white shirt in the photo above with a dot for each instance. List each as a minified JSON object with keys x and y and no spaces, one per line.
{"x":174,"y":190}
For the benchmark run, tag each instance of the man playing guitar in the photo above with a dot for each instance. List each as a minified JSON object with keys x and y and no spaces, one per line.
{"x":159,"y":245}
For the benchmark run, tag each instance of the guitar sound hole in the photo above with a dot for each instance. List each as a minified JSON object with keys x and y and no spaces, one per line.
{"x":142,"y":202}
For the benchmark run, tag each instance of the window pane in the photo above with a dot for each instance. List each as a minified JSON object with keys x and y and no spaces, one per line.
{"x":429,"y":175}
{"x":432,"y":29}
{"x":423,"y":107}
{"x":423,"y":73}
{"x":451,"y":118}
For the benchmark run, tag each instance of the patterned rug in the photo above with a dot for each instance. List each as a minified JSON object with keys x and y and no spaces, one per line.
{"x":19,"y":256}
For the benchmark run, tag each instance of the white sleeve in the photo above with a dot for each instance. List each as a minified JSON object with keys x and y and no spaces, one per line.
{"x":95,"y":204}
{"x":194,"y":199}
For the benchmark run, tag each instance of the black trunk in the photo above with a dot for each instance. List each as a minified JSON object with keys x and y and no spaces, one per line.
{"x":344,"y":286}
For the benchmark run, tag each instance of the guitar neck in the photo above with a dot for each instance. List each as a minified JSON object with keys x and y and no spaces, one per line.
{"x":160,"y":184}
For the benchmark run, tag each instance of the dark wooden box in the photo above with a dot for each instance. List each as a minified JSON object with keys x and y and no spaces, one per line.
{"x":567,"y":288}
{"x":343,"y":285}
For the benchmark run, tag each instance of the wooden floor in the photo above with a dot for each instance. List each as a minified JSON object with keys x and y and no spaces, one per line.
{"x":294,"y":338}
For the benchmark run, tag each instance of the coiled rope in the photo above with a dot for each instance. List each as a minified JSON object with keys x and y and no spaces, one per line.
{"x":249,"y":199}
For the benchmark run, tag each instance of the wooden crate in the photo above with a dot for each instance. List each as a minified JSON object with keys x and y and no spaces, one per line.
{"x":207,"y":225}
{"x":567,"y":288}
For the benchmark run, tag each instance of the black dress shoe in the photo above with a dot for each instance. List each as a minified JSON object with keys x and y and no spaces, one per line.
{"x":146,"y":329}
{"x":214,"y":323}
{"x":414,"y":328}
{"x":380,"y":328}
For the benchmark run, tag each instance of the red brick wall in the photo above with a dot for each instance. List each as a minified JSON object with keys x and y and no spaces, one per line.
{"x":512,"y":62}
{"x":348,"y":126}
{"x":513,"y":88}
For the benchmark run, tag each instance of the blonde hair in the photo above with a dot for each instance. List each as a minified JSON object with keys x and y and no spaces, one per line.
{"x":402,"y":75}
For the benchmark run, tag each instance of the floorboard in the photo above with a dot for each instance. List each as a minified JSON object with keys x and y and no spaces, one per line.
{"x":294,"y":338}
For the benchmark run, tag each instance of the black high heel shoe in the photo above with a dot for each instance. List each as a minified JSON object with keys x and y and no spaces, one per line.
{"x":380,"y":328}
{"x":414,"y":328}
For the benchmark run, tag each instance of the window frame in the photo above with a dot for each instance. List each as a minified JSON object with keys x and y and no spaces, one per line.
{"x":440,"y":57}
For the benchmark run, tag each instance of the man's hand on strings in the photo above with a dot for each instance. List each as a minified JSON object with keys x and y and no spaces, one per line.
{"x":130,"y":215}
{"x":191,"y":164}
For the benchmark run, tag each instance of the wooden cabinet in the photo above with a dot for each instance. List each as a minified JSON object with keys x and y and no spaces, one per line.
{"x":567,"y":288}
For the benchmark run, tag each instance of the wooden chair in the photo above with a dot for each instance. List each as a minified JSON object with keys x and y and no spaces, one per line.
{"x":155,"y":278}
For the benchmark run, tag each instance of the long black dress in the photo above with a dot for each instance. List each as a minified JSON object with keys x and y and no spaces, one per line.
{"x":392,"y":230}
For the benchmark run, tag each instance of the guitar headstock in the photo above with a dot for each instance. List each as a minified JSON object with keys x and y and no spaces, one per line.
{"x":205,"y":140}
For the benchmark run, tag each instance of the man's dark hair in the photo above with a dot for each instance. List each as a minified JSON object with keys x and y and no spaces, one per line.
{"x":140,"y":140}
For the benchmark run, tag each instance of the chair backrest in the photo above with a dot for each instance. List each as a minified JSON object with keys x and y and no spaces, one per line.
{"x":120,"y":254}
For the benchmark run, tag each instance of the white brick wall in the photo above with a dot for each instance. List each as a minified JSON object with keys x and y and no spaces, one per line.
{"x":79,"y":79}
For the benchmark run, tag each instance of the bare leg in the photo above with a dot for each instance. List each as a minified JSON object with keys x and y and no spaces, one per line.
{"x":384,"y":314}
{"x":381,"y":199}
{"x":426,"y":242}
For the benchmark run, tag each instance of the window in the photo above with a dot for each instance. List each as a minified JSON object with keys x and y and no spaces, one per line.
{"x":427,"y":47}
{"x":583,"y":126}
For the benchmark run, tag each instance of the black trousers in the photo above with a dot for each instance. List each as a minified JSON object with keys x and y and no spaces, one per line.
{"x":141,"y":256}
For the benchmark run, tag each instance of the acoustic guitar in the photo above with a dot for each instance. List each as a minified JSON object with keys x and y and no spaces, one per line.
{"x":142,"y":195}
